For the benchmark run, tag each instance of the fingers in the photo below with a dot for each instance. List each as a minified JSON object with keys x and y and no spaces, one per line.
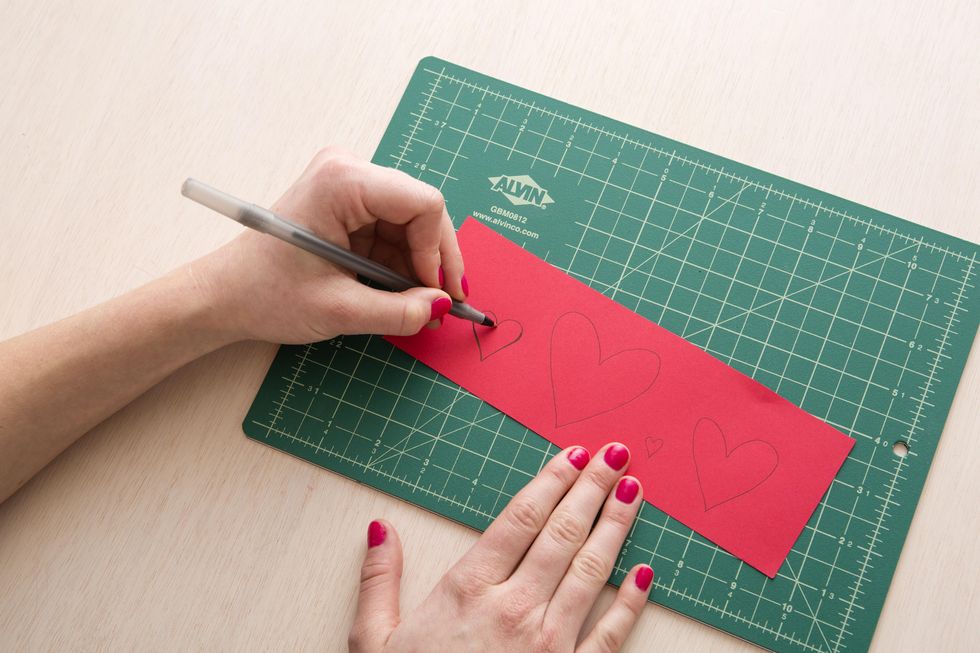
{"x":377,"y":603}
{"x":548,"y":559}
{"x":361,"y":309}
{"x":594,"y":562}
{"x":610,"y":632}
{"x":368,"y":192}
{"x":499,"y":550}
{"x":385,"y":243}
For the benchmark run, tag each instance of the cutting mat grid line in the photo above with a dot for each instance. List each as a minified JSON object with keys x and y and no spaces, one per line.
{"x":854,"y":316}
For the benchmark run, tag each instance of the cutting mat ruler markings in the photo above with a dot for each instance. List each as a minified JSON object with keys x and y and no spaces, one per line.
{"x":860,"y":318}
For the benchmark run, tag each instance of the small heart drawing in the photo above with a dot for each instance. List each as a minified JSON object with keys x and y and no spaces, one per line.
{"x":584,"y":382}
{"x":653,"y":446}
{"x":492,"y":341}
{"x":725,"y":475}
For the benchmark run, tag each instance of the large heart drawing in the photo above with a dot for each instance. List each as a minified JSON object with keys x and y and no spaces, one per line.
{"x":492,"y":341}
{"x":584,"y":382}
{"x":725,"y":475}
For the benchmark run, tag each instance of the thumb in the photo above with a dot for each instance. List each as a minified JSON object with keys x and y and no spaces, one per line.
{"x":393,"y":313}
{"x":377,"y":604}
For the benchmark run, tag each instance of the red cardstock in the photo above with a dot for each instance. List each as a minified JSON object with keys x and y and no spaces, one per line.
{"x":714,"y":449}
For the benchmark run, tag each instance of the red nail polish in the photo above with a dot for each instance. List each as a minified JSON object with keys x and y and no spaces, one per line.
{"x":579,"y":457}
{"x":627,"y":489}
{"x":376,"y":534}
{"x":616,"y":456}
{"x":442,"y":277}
{"x":440,"y":307}
{"x":644,"y":576}
{"x":466,"y":286}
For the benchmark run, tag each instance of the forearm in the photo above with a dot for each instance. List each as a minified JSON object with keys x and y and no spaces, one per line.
{"x":61,"y":380}
{"x":58,"y":382}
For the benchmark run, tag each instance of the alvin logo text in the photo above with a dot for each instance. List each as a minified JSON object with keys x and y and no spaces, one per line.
{"x":521,"y":190}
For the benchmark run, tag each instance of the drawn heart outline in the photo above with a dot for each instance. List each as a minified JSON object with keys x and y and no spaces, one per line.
{"x":653,"y":445}
{"x":725,"y":474}
{"x":501,"y":329}
{"x":594,"y":384}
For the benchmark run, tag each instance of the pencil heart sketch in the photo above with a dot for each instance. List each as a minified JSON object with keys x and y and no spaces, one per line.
{"x":585,"y":382}
{"x":725,"y":474}
{"x":493,"y":341}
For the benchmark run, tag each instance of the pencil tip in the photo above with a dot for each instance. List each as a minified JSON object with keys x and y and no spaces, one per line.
{"x":487,"y":322}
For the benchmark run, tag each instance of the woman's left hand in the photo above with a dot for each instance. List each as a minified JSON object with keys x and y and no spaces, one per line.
{"x":530,"y":581}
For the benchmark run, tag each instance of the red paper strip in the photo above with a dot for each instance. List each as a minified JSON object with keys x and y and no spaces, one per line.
{"x":714,"y":449}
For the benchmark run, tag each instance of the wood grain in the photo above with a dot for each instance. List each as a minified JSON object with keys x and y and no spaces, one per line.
{"x":164,"y":528}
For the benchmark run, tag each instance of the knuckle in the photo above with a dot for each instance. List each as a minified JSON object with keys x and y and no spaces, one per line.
{"x":374,"y":572}
{"x":525,"y":516}
{"x":432,"y":199}
{"x":562,"y":473}
{"x":591,"y":567}
{"x":620,"y":518}
{"x":336,"y":166}
{"x":413,"y":318}
{"x":597,"y":479}
{"x":511,"y":618}
{"x":328,"y":152}
{"x":480,"y":575}
{"x":634,"y":608}
{"x":551,"y":638}
{"x":608,"y":640}
{"x":461,"y":586}
{"x":566,"y":529}
{"x":514,"y":612}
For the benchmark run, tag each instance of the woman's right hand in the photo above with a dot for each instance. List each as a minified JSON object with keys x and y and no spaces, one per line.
{"x":530,"y":581}
{"x":260,"y":288}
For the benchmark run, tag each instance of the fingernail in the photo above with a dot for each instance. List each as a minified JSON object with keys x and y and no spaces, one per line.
{"x":616,"y":456}
{"x":376,"y":534}
{"x":440,"y":307}
{"x":442,"y":277}
{"x":627,"y":489}
{"x":466,"y":286}
{"x":579,"y":457}
{"x":644,"y":576}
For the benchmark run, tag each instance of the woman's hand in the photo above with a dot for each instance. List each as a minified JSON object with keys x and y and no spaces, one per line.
{"x":530,"y":581}
{"x":265,"y":289}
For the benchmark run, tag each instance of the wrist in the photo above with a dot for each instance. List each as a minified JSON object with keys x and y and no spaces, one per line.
{"x":199,"y":306}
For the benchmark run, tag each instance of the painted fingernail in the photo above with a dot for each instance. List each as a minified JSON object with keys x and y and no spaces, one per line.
{"x":627,"y":489}
{"x":466,"y":286}
{"x":376,"y":534}
{"x":579,"y":457}
{"x":440,"y":307}
{"x":442,"y":277}
{"x":616,"y":456}
{"x":644,"y":576}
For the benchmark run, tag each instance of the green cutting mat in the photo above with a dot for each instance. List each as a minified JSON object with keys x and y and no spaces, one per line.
{"x":862,"y":319}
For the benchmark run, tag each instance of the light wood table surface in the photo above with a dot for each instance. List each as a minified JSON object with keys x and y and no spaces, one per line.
{"x":165,"y":528}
